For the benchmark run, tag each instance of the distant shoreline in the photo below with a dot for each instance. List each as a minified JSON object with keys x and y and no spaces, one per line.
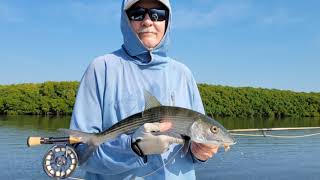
{"x":57,"y":98}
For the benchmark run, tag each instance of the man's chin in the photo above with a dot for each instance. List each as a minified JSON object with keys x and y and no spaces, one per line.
{"x":147,"y":37}
{"x":149,"y":43}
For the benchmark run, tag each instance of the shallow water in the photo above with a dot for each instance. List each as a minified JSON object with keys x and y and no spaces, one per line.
{"x":267,"y":158}
{"x":251,"y":158}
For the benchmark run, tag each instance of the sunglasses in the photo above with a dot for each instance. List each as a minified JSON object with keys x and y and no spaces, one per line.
{"x":155,"y":14}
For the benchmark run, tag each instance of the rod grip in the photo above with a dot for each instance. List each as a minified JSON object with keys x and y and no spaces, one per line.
{"x":33,"y":141}
{"x":74,"y":140}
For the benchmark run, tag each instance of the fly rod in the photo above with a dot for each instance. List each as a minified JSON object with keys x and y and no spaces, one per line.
{"x":237,"y":132}
{"x":35,"y":141}
{"x":273,"y":129}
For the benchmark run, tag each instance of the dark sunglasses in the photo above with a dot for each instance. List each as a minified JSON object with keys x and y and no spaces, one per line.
{"x":155,"y":14}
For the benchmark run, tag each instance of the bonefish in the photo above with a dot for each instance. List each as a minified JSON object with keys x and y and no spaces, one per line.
{"x":185,"y":123}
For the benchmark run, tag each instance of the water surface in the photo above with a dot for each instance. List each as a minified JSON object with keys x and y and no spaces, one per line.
{"x":251,"y":158}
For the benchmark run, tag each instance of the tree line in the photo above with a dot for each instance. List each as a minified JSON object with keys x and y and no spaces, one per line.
{"x":59,"y":97}
{"x":41,"y":98}
{"x":258,"y":102}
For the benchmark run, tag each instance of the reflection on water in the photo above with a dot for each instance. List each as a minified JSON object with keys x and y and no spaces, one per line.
{"x":46,"y":123}
{"x":251,"y":158}
{"x":49,"y":123}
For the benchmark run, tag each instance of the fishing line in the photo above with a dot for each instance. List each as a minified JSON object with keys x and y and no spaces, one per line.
{"x":174,"y":155}
{"x":75,"y":178}
{"x":265,"y":130}
{"x":274,"y":129}
{"x":274,"y":136}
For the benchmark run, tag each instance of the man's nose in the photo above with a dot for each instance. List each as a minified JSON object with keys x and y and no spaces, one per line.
{"x":147,"y":21}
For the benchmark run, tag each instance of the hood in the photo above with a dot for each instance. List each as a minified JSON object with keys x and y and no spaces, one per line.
{"x":134,"y":47}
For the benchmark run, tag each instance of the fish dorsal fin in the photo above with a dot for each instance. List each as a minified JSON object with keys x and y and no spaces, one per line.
{"x":150,"y":101}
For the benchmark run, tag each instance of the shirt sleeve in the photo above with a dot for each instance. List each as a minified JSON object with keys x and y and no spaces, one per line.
{"x":114,"y":156}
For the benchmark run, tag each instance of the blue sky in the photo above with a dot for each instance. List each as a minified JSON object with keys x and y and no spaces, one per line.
{"x":268,"y":44}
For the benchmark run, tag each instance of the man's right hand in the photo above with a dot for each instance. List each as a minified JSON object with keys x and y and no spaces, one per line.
{"x":203,"y":152}
{"x":154,"y":144}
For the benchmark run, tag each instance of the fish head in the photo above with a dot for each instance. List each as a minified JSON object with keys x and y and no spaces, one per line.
{"x":206,"y":130}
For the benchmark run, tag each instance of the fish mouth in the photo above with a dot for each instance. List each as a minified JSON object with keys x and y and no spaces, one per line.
{"x":230,"y":143}
{"x":219,"y":143}
{"x":226,"y":145}
{"x":229,"y":140}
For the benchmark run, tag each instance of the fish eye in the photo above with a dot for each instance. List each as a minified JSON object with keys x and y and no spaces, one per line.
{"x":214,"y":129}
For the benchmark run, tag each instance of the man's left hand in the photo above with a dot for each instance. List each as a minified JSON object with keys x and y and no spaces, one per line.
{"x":203,"y":151}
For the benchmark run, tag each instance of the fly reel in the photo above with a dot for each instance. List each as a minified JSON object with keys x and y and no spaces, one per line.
{"x":60,"y":161}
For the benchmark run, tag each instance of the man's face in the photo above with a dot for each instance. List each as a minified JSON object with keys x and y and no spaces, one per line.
{"x":149,"y":32}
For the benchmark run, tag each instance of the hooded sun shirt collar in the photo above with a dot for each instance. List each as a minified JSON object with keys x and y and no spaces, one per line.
{"x":134,"y":47}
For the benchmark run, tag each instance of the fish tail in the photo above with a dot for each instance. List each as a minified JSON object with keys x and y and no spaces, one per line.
{"x":86,"y":138}
{"x":90,"y":139}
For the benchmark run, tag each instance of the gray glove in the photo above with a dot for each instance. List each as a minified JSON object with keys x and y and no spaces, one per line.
{"x":153,"y":144}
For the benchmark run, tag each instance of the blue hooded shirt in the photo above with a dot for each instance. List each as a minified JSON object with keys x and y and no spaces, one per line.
{"x":112,"y":89}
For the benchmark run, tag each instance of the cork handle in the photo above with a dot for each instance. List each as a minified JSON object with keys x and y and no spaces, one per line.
{"x":33,"y":141}
{"x":74,"y":140}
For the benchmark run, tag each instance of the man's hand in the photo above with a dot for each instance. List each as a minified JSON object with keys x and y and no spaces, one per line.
{"x":203,"y":151}
{"x":154,"y":144}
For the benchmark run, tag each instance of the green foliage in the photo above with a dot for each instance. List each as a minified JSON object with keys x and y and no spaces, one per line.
{"x":45,"y":98}
{"x":59,"y":98}
{"x":258,"y":102}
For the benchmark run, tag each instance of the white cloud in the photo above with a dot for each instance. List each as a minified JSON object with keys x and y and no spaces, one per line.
{"x":195,"y":18}
{"x":232,"y":12}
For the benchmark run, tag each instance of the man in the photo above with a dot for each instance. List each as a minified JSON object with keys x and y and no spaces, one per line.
{"x":112,"y":89}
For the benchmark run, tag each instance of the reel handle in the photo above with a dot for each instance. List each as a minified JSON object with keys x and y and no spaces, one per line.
{"x":35,"y":141}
